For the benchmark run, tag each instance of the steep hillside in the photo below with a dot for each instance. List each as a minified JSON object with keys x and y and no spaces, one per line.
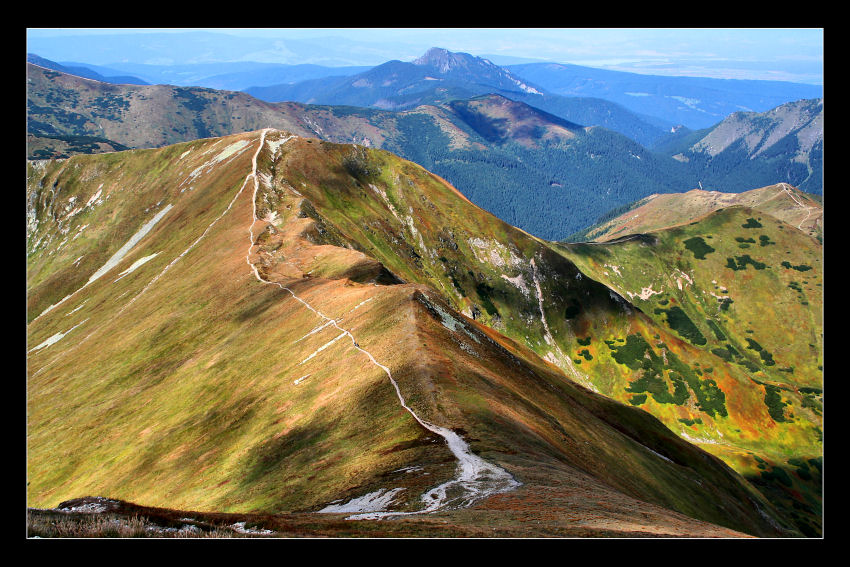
{"x":747,"y":289}
{"x":268,"y":323}
{"x":749,"y":149}
{"x":781,"y":201}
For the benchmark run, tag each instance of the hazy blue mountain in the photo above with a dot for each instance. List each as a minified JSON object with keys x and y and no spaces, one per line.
{"x":276,"y":74}
{"x":695,"y":102}
{"x":440,"y":76}
{"x":85,"y":72}
{"x":201,"y":47}
{"x":233,"y":76}
{"x":186,"y":74}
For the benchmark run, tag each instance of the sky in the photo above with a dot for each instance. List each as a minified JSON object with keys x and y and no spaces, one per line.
{"x":787,"y":54}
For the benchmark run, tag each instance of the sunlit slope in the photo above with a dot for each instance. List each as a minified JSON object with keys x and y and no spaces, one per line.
{"x":781,"y":201}
{"x":175,"y":397}
{"x":747,"y":290}
{"x":181,"y":377}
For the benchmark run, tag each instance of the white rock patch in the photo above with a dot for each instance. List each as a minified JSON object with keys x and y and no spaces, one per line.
{"x":119,"y":255}
{"x":137,"y":264}
{"x":372,"y":502}
{"x":55,"y":338}
{"x":323,"y":347}
{"x":519,"y":283}
{"x":646,"y":293}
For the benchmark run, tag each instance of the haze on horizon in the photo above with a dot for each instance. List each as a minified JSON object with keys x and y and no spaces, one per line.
{"x":794,"y":54}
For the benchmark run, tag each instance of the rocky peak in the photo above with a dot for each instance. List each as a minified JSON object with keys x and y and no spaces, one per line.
{"x":444,"y":60}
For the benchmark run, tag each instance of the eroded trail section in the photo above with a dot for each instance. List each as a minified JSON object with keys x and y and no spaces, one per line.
{"x":801,"y":205}
{"x":475,"y":479}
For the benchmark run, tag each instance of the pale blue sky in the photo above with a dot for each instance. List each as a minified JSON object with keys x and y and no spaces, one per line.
{"x":791,"y":54}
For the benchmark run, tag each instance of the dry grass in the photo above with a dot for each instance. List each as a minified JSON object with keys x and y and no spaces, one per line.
{"x":52,"y":524}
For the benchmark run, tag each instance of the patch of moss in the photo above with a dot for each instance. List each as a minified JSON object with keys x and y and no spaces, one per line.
{"x":484,"y":292}
{"x":710,"y":398}
{"x":800,"y":268}
{"x":779,"y":474}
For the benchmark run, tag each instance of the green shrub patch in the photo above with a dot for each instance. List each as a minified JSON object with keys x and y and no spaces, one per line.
{"x":715,"y":329}
{"x":638,"y":354}
{"x":740,"y":263}
{"x":766,"y":356}
{"x":699,"y":247}
{"x":679,"y":321}
{"x":774,"y":403}
{"x":800,"y":268}
{"x":752,"y":223}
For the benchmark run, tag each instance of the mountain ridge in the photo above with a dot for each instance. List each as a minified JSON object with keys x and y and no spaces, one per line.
{"x":398,"y":85}
{"x":325,"y":193}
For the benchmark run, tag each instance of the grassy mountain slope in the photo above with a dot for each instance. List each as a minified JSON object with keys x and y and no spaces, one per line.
{"x":213,"y":290}
{"x":747,"y":289}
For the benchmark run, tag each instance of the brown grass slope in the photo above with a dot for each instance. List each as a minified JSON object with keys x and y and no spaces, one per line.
{"x":782,"y":201}
{"x":189,"y":383}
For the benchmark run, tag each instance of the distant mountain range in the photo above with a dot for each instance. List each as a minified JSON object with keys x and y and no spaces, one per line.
{"x":440,"y":76}
{"x":506,"y":155}
{"x":228,"y":76}
{"x":694,"y":102}
{"x":85,"y":71}
{"x":535,"y":170}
